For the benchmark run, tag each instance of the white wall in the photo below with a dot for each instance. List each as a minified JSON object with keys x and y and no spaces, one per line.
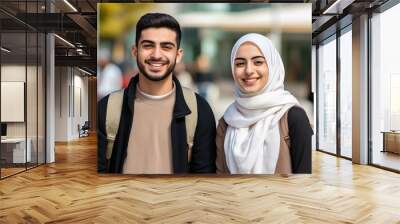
{"x":61,"y":103}
{"x":80,"y":85}
{"x":33,"y":126}
{"x":70,"y":83}
{"x":17,"y":73}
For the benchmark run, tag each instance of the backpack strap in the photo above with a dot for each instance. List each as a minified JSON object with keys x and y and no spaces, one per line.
{"x":285,"y":129}
{"x":284,"y":165}
{"x":113,"y":116}
{"x":190,"y":119}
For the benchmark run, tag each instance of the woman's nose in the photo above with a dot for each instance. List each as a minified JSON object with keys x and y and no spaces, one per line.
{"x":249,"y":69}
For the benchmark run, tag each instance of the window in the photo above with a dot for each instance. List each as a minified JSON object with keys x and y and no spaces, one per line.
{"x":385,"y":89}
{"x":327,"y":96}
{"x":346,"y":94}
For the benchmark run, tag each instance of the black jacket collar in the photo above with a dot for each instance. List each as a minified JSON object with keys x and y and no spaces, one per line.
{"x":181,"y":109}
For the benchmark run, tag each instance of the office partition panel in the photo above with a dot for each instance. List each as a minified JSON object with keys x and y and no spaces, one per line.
{"x":22,"y":77}
{"x":15,"y":148}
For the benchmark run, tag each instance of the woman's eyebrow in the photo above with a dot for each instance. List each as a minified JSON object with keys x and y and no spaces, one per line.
{"x":255,"y":57}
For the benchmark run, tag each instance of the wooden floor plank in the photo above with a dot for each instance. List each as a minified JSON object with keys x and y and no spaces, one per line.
{"x":71,"y":191}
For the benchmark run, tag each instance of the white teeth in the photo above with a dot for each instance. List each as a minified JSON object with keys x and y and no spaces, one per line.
{"x":156,"y":65}
{"x":250,"y":81}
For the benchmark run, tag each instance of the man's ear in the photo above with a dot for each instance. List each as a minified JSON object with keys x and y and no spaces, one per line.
{"x":134,"y":51}
{"x":179,"y":55}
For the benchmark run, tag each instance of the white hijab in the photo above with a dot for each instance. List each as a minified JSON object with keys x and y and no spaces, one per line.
{"x":252,"y":140}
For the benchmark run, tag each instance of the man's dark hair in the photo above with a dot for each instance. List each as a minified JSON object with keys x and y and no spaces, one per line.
{"x":158,"y":20}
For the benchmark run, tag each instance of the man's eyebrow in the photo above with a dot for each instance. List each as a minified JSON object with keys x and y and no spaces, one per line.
{"x":167,"y":43}
{"x":152,"y":42}
{"x":146,"y":42}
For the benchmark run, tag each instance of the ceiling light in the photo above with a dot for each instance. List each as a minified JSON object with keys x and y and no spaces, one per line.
{"x":84,"y":71}
{"x":65,"y":41}
{"x":70,"y":5}
{"x":5,"y":49}
{"x":331,"y":7}
{"x":337,"y":7}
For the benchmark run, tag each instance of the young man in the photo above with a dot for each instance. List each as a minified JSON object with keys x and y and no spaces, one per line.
{"x":152,"y":135}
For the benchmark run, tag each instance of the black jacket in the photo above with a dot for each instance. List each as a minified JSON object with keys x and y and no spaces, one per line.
{"x":300,"y":133}
{"x":203,"y":150}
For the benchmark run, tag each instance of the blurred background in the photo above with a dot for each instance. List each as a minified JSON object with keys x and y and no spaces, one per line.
{"x":209,"y":32}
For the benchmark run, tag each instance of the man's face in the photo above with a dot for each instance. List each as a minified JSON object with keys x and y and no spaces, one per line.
{"x":157,"y":53}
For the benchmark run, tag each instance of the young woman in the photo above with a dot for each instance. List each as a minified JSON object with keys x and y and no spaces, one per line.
{"x":264,"y":131}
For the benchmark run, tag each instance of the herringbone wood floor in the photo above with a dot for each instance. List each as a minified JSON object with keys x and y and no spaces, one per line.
{"x":70,"y":191}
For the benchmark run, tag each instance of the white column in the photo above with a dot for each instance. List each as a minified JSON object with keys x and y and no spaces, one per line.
{"x":360,"y":90}
{"x":50,"y":94}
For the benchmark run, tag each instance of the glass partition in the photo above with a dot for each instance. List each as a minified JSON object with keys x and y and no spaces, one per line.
{"x":14,"y":153}
{"x":327,"y":96}
{"x":22,"y":87}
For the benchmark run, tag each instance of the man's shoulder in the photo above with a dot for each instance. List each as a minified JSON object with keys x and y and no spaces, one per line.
{"x":103,"y":101}
{"x":201,"y":102}
{"x":203,"y":106}
{"x":204,"y":110}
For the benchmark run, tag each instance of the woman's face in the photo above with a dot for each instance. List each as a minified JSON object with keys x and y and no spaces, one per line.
{"x":250,"y":68}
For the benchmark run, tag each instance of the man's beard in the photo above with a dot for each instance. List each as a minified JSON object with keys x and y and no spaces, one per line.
{"x":167,"y":73}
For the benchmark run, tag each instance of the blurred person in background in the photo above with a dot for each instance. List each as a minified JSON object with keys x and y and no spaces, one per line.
{"x":129,"y":71}
{"x":155,"y":133}
{"x":110,"y":75}
{"x":265,"y":131}
{"x":184,"y":77}
{"x":205,"y":80}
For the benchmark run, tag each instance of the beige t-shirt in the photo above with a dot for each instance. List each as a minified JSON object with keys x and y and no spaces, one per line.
{"x":149,"y":148}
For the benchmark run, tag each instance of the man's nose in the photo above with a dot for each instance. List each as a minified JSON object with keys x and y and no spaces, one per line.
{"x":157,"y":53}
